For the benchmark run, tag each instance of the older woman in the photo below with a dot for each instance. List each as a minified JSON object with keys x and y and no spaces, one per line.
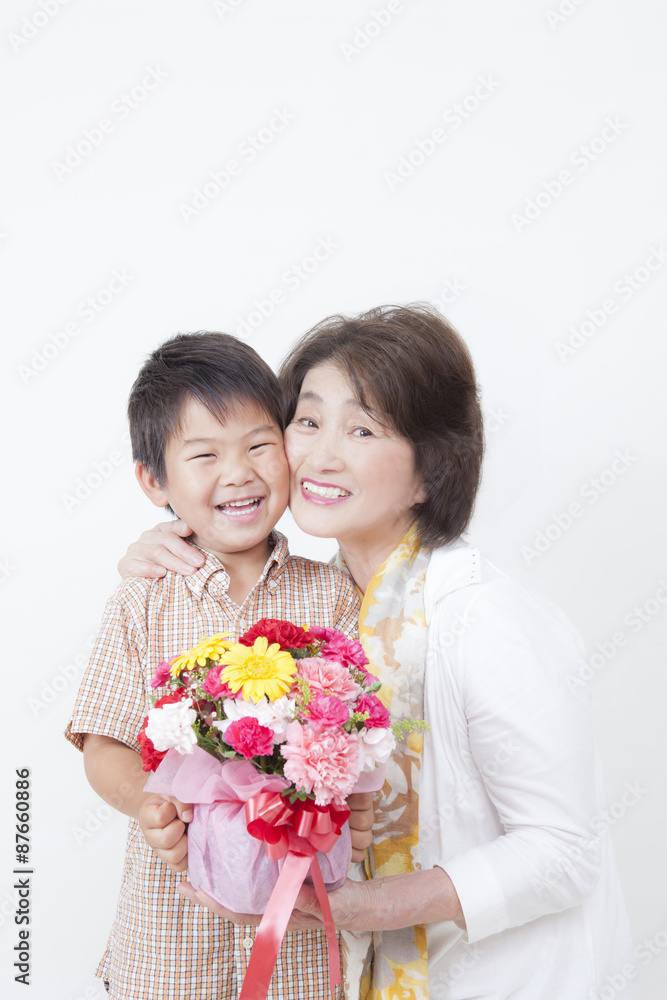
{"x":490,"y":875}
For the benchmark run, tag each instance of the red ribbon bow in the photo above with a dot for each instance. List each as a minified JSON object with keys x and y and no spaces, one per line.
{"x":295,"y":832}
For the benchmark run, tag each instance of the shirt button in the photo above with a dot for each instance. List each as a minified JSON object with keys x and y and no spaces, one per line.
{"x":248,"y":943}
{"x":242,"y":623}
{"x":272,"y":584}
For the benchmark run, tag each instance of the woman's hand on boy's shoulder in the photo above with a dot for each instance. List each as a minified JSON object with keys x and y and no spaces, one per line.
{"x":159,"y":549}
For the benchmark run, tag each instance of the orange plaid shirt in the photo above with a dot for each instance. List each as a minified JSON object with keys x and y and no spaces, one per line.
{"x":161,"y":945}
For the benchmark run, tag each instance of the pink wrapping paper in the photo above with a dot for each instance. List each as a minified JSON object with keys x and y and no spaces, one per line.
{"x":223,"y":858}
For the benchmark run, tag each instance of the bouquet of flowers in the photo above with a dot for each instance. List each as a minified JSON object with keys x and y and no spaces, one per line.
{"x":267,"y":737}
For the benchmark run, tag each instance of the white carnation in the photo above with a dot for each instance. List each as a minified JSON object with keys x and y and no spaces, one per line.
{"x":376,"y":747}
{"x":275,"y":715}
{"x":170,"y":727}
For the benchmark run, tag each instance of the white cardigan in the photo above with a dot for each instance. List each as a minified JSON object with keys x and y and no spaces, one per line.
{"x":511,"y":802}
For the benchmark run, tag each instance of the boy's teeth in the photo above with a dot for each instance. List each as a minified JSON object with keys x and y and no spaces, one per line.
{"x":325,"y":491}
{"x":246,"y":504}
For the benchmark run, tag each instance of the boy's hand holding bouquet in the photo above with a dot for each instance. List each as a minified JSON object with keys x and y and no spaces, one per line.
{"x":267,"y":737}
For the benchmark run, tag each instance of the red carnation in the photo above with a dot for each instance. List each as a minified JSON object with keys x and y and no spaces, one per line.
{"x":178,"y":695}
{"x":287,"y":635}
{"x":249,"y":738}
{"x":149,"y":755}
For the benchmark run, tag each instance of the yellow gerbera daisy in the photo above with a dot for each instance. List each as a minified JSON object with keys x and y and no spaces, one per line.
{"x":260,"y":670}
{"x":210,"y":648}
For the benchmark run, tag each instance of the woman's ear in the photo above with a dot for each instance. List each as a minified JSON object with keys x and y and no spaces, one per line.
{"x":421,"y":493}
{"x":150,"y":486}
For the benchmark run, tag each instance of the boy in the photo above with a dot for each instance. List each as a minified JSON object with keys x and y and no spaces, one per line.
{"x":206,"y":427}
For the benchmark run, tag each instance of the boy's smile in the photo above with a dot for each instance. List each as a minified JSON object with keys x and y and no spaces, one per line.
{"x":229,"y":481}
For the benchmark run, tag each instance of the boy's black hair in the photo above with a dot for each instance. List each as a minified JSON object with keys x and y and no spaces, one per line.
{"x":215,"y":369}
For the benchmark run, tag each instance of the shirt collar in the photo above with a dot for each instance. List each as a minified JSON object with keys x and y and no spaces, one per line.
{"x":198,"y":581}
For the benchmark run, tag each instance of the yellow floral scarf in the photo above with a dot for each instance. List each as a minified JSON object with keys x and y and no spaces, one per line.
{"x":392,"y":965}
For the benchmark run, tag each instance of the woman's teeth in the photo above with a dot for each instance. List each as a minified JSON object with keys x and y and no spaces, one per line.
{"x":325,"y":491}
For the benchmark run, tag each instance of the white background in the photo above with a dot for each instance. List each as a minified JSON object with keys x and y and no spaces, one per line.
{"x":453,"y":230}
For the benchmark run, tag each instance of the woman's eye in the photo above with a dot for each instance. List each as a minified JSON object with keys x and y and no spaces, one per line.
{"x":305,"y":422}
{"x":362,"y":432}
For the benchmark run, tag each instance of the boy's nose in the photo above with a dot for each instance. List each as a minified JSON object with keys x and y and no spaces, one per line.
{"x":237,"y":473}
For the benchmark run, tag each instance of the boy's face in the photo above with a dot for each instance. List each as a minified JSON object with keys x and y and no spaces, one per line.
{"x":229,"y":482}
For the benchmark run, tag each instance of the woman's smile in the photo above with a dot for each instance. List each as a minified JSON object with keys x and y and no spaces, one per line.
{"x":323,"y":493}
{"x":351,"y":474}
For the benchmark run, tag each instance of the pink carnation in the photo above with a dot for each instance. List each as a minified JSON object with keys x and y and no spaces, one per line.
{"x":162,"y":673}
{"x":249,"y":738}
{"x":323,"y":761}
{"x":217,"y":688}
{"x":338,"y":647}
{"x":369,"y":678}
{"x":329,"y":677}
{"x":328,"y":710}
{"x":378,"y":715}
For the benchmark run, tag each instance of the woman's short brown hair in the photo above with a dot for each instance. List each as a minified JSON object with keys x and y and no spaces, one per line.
{"x":410,"y":369}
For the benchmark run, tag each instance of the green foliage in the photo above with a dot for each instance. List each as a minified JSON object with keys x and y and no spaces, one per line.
{"x":401,"y":728}
{"x":292,"y":794}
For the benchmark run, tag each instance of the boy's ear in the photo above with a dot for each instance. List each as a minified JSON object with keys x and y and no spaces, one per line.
{"x":150,"y":486}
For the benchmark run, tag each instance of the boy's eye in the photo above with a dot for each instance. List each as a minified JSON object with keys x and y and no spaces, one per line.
{"x":208,"y":455}
{"x":264,"y":444}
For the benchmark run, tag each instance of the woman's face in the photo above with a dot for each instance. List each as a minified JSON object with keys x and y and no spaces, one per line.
{"x":352,"y":478}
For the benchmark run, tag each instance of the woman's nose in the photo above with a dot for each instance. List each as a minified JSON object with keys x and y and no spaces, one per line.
{"x":327,"y":453}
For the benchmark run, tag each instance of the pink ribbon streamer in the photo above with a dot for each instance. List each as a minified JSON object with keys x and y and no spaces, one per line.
{"x":297,"y":831}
